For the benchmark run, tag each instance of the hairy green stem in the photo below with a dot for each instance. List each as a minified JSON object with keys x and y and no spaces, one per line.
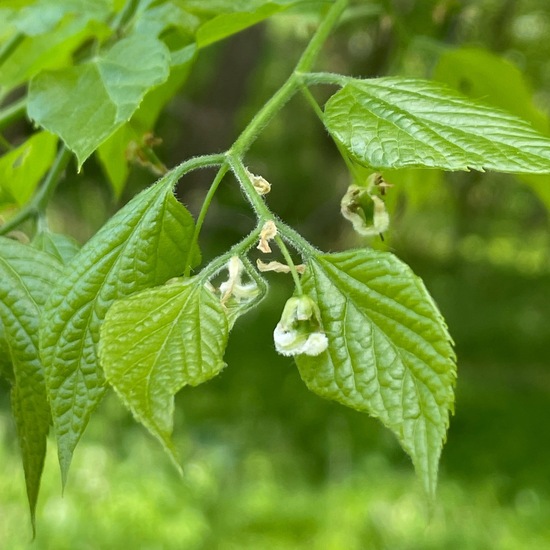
{"x":303,"y":247}
{"x":242,"y":247}
{"x":315,"y":106}
{"x":38,"y":204}
{"x":289,"y":88}
{"x":290,"y":262}
{"x":311,"y":79}
{"x":258,"y":204}
{"x":189,"y":165}
{"x":285,"y":92}
{"x":312,"y":101}
{"x":204,"y":161}
{"x":202,"y":214}
{"x":263,"y":212}
{"x":295,"y":81}
{"x":319,"y":38}
{"x":264,"y":116}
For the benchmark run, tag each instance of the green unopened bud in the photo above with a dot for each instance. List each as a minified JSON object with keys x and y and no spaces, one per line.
{"x":300,"y":330}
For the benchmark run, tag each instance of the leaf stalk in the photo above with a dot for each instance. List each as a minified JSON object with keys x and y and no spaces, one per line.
{"x":202,"y":214}
{"x":289,"y":88}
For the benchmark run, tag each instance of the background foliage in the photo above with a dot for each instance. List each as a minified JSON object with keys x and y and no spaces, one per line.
{"x":268,"y":464}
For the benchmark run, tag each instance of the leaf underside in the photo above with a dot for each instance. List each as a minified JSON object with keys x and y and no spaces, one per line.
{"x":398,"y":122}
{"x":389,"y":354}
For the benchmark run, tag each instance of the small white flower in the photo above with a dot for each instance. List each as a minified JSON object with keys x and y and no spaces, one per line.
{"x":316,"y":343}
{"x":299,"y":331}
{"x":290,"y":342}
{"x":234,"y":287}
{"x":284,"y":339}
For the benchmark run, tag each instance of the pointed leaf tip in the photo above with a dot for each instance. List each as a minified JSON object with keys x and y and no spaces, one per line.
{"x":143,"y":245}
{"x":158,"y":341}
{"x":26,"y":278}
{"x":100,"y":95}
{"x":389,"y":352}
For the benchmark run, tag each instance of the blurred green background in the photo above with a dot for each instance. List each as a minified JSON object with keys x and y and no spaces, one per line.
{"x":267,"y":464}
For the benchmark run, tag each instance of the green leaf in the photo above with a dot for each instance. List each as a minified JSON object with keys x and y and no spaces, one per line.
{"x":6,"y":369}
{"x":22,"y":168}
{"x":45,"y":15}
{"x":478,"y":73}
{"x":100,"y":95}
{"x":156,"y":19}
{"x":114,"y":158}
{"x":389,"y":353}
{"x":113,"y":153}
{"x":26,"y":278}
{"x":52,"y":50}
{"x":213,"y":8}
{"x":398,"y":122}
{"x":62,"y":247}
{"x":158,"y":341}
{"x":143,"y":245}
{"x":226,"y":24}
{"x":423,"y":188}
